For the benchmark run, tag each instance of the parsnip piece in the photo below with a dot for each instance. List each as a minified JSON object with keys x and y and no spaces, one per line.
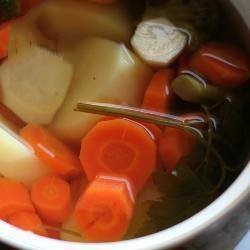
{"x":34,"y":85}
{"x":69,"y":231}
{"x":17,"y":161}
{"x":158,"y":42}
{"x":72,"y":20}
{"x":106,"y":72}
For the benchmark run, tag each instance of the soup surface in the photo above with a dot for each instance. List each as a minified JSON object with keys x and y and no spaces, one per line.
{"x":118,"y":119}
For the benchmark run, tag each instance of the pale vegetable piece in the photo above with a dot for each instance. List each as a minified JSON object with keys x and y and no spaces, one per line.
{"x":17,"y":161}
{"x":191,"y":89}
{"x":70,"y":232}
{"x":73,"y":20}
{"x":106,"y":72}
{"x":35,"y":84}
{"x":24,"y":35}
{"x":158,"y":42}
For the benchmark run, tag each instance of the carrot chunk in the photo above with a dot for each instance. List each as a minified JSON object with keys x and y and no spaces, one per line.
{"x":222,"y":64}
{"x":53,"y":152}
{"x":174,"y":145}
{"x":14,"y":198}
{"x":28,"y":221}
{"x":4,"y":39}
{"x":52,"y":199}
{"x":159,"y":96}
{"x":119,"y":146}
{"x":105,"y":209}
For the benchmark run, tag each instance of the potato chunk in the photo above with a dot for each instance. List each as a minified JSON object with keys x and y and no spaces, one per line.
{"x":17,"y":161}
{"x":34,"y":85}
{"x":71,"y":20}
{"x":106,"y":72}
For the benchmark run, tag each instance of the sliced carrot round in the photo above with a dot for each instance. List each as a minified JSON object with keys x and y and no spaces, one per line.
{"x":14,"y":198}
{"x":223,"y":64}
{"x":105,"y":209}
{"x":52,"y":199}
{"x":28,"y":221}
{"x":119,"y":146}
{"x":159,"y":96}
{"x":53,"y":152}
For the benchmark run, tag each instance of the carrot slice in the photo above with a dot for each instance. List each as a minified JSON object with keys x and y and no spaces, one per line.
{"x":4,"y":39}
{"x":174,"y":145}
{"x":159,"y":96}
{"x":28,"y":221}
{"x":52,"y":199}
{"x":53,"y":152}
{"x":11,"y":116}
{"x":14,"y":198}
{"x":105,"y":209}
{"x":119,"y":146}
{"x":223,"y":64}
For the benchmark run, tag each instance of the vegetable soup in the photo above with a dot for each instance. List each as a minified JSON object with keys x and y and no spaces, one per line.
{"x":118,"y":118}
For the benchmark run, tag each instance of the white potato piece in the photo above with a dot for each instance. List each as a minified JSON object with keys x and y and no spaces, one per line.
{"x":17,"y":161}
{"x":71,"y":20}
{"x":106,"y":72}
{"x":158,"y":42}
{"x":35,"y":84}
{"x":69,"y":231}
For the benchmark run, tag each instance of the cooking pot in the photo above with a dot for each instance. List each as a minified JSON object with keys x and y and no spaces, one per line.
{"x":198,"y":228}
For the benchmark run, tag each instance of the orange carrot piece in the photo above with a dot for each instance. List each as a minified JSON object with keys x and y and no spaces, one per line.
{"x":52,"y":199}
{"x":159,"y":96}
{"x":14,"y":198}
{"x":28,"y":221}
{"x":105,"y":209}
{"x":222,"y":64}
{"x":53,"y":152}
{"x":119,"y":146}
{"x":174,"y":145}
{"x":4,"y":39}
{"x":11,"y":116}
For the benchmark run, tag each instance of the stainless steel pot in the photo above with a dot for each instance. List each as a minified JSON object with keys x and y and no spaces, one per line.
{"x":199,"y":228}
